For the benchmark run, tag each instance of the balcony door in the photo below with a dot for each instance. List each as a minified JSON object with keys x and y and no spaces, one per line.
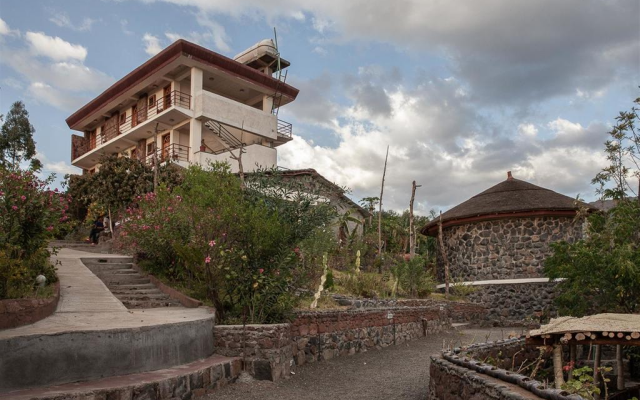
{"x":166,"y":139}
{"x":166,"y":94}
{"x":134,"y":115}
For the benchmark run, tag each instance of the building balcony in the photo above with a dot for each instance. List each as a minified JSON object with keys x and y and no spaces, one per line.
{"x":167,"y":111}
{"x":173,"y":153}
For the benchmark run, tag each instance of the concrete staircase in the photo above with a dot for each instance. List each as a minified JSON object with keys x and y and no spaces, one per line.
{"x":128,"y":285}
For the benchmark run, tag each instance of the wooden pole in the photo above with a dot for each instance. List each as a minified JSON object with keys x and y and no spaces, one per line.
{"x":596,"y":370}
{"x":412,"y":232}
{"x":572,"y":359}
{"x":155,"y":159}
{"x":557,"y":366}
{"x":619,"y":368}
{"x":384,"y":173}
{"x":445,"y":259}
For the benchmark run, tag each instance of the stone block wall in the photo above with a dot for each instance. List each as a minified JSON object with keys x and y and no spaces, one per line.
{"x":323,"y":335}
{"x":269,"y":348}
{"x":515,"y":304}
{"x":510,"y":248}
{"x":273,"y":351}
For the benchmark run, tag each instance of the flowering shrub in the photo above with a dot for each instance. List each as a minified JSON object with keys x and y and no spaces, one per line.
{"x":236,"y":248}
{"x":30,"y":214}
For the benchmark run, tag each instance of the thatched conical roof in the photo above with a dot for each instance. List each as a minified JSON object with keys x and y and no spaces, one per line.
{"x":511,"y":197}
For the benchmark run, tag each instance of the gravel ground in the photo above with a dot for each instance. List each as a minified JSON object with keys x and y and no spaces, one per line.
{"x":395,"y":372}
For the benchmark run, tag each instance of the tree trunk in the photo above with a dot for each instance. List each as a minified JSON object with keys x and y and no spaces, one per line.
{"x":557,"y":366}
{"x":384,"y":172}
{"x":155,"y":159}
{"x":445,"y":259}
{"x":412,"y":233}
{"x":111,"y":224}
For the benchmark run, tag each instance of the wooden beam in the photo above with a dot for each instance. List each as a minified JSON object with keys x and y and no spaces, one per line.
{"x":596,"y":372}
{"x":557,"y":366}
{"x":538,"y":341}
{"x":619,"y":368}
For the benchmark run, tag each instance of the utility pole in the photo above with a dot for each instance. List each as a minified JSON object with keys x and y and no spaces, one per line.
{"x":384,"y":172}
{"x":155,"y":159}
{"x":412,"y":231}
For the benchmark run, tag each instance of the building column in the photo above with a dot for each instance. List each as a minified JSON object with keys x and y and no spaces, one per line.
{"x":195,"y":125}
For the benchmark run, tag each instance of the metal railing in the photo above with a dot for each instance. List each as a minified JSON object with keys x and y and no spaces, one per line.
{"x":172,"y":153}
{"x":284,"y":129}
{"x":115,"y":128}
{"x":227,"y":137}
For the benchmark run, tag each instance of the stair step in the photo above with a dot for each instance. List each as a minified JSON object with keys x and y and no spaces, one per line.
{"x":125,"y":280}
{"x":126,"y":292}
{"x":142,"y":296}
{"x":131,"y":286}
{"x":130,"y":271}
{"x":150,"y":303}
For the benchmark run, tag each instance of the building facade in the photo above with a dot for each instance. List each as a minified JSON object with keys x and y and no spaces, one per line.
{"x":189,"y":105}
{"x":498,"y":240}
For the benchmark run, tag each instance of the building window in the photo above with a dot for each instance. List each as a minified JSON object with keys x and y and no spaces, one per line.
{"x":152,"y":101}
{"x":150,"y":148}
{"x":123,"y":118}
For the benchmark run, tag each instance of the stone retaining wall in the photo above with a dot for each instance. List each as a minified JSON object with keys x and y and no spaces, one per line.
{"x":18,"y":312}
{"x":515,"y":304}
{"x":273,"y":351}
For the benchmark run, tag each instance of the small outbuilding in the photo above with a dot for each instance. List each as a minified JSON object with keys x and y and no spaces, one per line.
{"x":498,"y":240}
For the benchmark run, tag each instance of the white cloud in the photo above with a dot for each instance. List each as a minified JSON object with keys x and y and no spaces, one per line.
{"x":320,"y":24}
{"x":62,"y":20}
{"x":60,"y":168}
{"x":6,"y":31}
{"x":12,"y":83}
{"x":216,"y":32}
{"x":528,"y":130}
{"x":55,"y":48}
{"x":151,"y":44}
{"x":320,"y":50}
{"x":41,"y":92}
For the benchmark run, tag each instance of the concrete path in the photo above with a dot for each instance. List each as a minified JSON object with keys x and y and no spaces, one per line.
{"x":86,"y":304}
{"x":395,"y":372}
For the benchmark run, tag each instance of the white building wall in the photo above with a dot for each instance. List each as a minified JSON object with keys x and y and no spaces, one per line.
{"x":263,"y":156}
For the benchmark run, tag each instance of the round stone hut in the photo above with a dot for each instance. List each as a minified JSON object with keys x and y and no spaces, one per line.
{"x":498,"y":240}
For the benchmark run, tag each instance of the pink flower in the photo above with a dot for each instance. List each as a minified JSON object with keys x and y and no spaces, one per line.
{"x":169,"y":208}
{"x":1,"y":193}
{"x":261,"y":270}
{"x":212,"y":243}
{"x":277,"y":272}
{"x":157,"y":227}
{"x":50,"y":228}
{"x":207,"y":260}
{"x":14,"y":208}
{"x":23,"y":197}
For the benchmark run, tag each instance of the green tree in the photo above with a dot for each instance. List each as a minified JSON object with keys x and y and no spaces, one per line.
{"x":16,"y":138}
{"x":602,"y":271}
{"x":623,"y":153}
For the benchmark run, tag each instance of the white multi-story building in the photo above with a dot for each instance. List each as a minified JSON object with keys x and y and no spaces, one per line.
{"x":201,"y":105}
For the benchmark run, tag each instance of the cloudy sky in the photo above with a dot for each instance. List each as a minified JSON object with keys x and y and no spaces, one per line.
{"x":462,"y":91}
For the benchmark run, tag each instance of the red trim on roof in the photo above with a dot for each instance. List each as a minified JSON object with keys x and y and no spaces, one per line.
{"x":168,"y":55}
{"x":433,"y":230}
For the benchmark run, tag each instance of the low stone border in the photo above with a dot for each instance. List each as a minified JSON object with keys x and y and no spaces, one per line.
{"x":18,"y":312}
{"x":182,"y":382}
{"x":454,"y":374}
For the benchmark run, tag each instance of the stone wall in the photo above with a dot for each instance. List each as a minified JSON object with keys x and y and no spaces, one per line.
{"x":269,"y":348}
{"x":515,"y":304}
{"x":323,"y":335}
{"x":505,"y":248}
{"x":463,"y":374}
{"x":274,"y":351}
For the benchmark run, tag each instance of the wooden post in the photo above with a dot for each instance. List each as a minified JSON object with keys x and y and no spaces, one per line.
{"x":384,"y":172}
{"x":557,"y":366}
{"x":155,"y":158}
{"x":412,"y":232}
{"x":596,"y":372}
{"x":445,"y":259}
{"x":619,"y":368}
{"x":572,"y":359}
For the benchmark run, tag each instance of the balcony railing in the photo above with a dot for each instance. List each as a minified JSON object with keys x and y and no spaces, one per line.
{"x":173,"y":153}
{"x":115,"y":128}
{"x":284,"y":129}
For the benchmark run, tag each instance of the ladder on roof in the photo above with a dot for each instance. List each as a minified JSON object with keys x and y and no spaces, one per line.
{"x":282,"y":79}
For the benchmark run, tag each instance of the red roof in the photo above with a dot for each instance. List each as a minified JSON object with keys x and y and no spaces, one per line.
{"x":179,"y":48}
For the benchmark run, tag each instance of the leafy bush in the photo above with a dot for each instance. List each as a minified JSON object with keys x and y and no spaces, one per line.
{"x":414,"y":280}
{"x":601,"y":271}
{"x":30,"y":215}
{"x":238,"y":248}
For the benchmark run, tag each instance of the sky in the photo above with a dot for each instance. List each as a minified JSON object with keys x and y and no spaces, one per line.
{"x":461,"y":91}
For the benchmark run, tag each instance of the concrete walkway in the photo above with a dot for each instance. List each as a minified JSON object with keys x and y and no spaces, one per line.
{"x":86,"y":304}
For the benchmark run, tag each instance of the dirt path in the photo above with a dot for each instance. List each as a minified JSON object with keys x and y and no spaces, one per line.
{"x":395,"y":372}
